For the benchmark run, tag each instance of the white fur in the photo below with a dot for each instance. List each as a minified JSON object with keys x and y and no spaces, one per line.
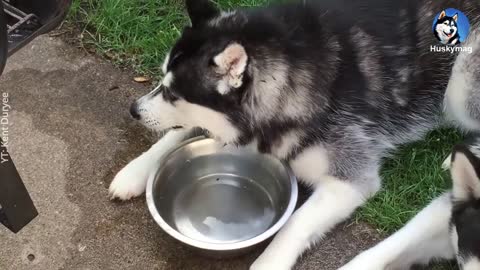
{"x":311,"y":165}
{"x":465,"y":180}
{"x":131,"y":181}
{"x":456,"y":97}
{"x":447,"y":162}
{"x":332,"y":202}
{"x":297,"y":103}
{"x":461,"y":86}
{"x":223,"y":16}
{"x":168,"y":79}
{"x":223,"y":87}
{"x":472,"y":264}
{"x":165,"y":63}
{"x":454,"y":239}
{"x":268,"y":92}
{"x":158,"y":114}
{"x":424,"y":238}
{"x":211,"y":120}
{"x":288,"y":143}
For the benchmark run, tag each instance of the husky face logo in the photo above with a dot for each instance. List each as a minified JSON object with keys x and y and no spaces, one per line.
{"x":465,"y":172}
{"x":446,"y":29}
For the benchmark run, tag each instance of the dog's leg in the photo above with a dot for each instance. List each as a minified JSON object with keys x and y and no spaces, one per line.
{"x":332,"y":202}
{"x":131,"y":181}
{"x":425,"y":237}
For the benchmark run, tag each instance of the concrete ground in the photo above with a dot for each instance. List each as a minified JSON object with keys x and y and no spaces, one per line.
{"x":69,"y":134}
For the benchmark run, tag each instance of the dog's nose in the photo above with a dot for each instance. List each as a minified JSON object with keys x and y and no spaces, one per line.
{"x":134,"y":111}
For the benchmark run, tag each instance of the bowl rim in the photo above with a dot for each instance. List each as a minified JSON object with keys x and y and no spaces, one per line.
{"x":287,"y":213}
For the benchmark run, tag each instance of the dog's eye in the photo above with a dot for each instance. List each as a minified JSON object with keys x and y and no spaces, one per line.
{"x":170,"y":95}
{"x":174,"y":60}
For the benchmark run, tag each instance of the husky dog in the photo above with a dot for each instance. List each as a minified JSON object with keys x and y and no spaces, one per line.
{"x":331,"y":87}
{"x":449,"y":227}
{"x":446,"y":29}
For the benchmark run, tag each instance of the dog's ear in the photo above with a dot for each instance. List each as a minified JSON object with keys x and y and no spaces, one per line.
{"x":201,"y":11}
{"x":455,"y":17}
{"x":232,"y":63}
{"x":465,"y":170}
{"x":442,"y":14}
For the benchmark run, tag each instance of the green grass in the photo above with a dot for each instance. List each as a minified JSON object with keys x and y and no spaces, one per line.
{"x":135,"y":33}
{"x":138,"y":33}
{"x":411,"y":179}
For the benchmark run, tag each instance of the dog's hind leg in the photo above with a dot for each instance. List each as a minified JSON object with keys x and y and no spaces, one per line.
{"x":332,"y":202}
{"x":425,"y":237}
{"x":462,"y":97}
{"x":131,"y":181}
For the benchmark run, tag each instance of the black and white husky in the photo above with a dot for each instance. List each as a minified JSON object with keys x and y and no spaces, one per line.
{"x":446,"y":29}
{"x":332,"y":87}
{"x":446,"y":229}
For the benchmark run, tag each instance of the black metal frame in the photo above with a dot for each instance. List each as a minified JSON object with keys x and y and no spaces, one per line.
{"x":16,"y":206}
{"x":3,"y":39}
{"x":50,"y":14}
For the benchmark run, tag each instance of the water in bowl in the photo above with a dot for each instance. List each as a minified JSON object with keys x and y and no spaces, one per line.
{"x":223,"y":208}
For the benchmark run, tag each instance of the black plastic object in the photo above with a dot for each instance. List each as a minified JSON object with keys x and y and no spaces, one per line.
{"x":3,"y":39}
{"x":26,"y":19}
{"x":16,"y":206}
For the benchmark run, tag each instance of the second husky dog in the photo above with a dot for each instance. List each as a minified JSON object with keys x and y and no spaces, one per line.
{"x":331,"y":87}
{"x":448,"y":228}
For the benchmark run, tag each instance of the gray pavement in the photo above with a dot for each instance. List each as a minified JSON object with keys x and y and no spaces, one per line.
{"x":69,"y":134}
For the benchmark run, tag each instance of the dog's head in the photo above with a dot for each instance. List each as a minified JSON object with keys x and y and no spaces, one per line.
{"x":204,"y":77}
{"x":465,"y":170}
{"x":446,"y":27}
{"x":230,"y":72}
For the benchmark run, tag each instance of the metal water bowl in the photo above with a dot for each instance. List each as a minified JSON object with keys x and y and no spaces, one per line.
{"x":221,"y":200}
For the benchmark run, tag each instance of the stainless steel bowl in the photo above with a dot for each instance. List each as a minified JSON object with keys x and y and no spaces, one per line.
{"x":221,"y":200}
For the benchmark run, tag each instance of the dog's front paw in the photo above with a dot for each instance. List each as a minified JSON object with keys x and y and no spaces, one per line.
{"x":129,"y":182}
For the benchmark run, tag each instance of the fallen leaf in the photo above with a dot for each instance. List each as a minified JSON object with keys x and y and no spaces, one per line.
{"x":141,"y":79}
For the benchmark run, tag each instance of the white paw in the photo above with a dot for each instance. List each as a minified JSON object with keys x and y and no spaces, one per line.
{"x":446,"y":164}
{"x":130,"y":182}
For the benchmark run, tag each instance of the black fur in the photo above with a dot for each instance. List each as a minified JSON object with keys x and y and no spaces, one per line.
{"x":303,"y":34}
{"x":201,"y":11}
